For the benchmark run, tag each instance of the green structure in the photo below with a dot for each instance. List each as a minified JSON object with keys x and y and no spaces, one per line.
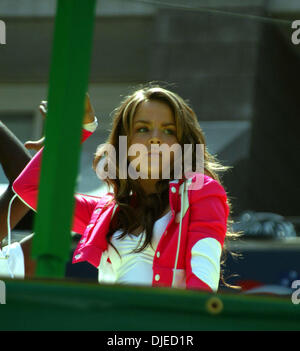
{"x":68,"y":84}
{"x":59,"y":305}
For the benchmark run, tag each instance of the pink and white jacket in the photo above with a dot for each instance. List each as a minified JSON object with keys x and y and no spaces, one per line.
{"x":188,"y":253}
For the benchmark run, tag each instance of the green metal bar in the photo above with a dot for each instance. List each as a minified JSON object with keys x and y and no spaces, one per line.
{"x":52,"y":305}
{"x":68,"y":82}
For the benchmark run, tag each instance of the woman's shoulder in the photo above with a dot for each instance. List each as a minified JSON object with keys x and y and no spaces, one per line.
{"x":106,"y":199}
{"x":98,"y":201}
{"x":209,"y":194}
{"x":202,"y":185}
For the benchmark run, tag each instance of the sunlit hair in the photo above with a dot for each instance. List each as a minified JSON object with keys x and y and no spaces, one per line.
{"x":188,"y":131}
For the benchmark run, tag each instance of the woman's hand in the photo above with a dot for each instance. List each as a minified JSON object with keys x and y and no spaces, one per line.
{"x":89,"y":113}
{"x":89,"y":116}
{"x":35,"y":145}
{"x":38,"y":144}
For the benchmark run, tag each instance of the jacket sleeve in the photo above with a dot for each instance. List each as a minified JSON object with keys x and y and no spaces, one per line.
{"x":209,"y":212}
{"x":27,"y":184}
{"x":13,"y":158}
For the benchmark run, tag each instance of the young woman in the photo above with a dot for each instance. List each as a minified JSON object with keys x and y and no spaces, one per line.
{"x":150,"y":230}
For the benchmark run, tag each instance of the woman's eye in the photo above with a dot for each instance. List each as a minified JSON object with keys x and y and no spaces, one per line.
{"x":146,"y":129}
{"x":169,"y":131}
{"x":142,"y":129}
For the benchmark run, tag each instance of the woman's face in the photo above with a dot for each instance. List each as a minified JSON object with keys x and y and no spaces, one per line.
{"x":153,"y":123}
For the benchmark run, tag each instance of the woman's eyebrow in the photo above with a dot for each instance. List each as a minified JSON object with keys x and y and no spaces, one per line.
{"x":168,"y":124}
{"x":142,"y":121}
{"x":147,"y":122}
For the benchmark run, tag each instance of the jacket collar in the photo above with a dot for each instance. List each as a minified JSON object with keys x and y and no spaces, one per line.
{"x":174,"y":186}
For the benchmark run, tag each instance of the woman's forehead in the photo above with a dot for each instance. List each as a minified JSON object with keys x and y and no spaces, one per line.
{"x":152,"y":110}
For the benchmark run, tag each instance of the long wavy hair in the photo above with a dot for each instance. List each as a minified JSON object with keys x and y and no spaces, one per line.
{"x":188,"y":131}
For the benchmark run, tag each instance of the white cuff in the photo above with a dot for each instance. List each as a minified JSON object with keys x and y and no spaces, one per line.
{"x":206,"y":254}
{"x":91,"y":127}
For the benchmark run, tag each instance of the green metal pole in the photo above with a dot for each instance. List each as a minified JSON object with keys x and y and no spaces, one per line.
{"x":68,"y":82}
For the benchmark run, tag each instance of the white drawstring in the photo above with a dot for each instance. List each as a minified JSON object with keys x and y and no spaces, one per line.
{"x":179,"y":235}
{"x":6,"y":256}
{"x":8,"y":220}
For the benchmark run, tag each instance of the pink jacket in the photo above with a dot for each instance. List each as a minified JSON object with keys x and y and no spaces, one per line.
{"x":196,"y":215}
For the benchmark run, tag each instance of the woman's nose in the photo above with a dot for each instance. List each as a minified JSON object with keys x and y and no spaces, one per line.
{"x":155,"y":140}
{"x":155,"y":137}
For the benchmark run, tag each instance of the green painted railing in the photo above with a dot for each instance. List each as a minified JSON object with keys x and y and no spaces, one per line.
{"x":68,"y":82}
{"x":67,"y":305}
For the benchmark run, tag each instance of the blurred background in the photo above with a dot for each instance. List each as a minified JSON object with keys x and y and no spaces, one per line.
{"x":232,"y":60}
